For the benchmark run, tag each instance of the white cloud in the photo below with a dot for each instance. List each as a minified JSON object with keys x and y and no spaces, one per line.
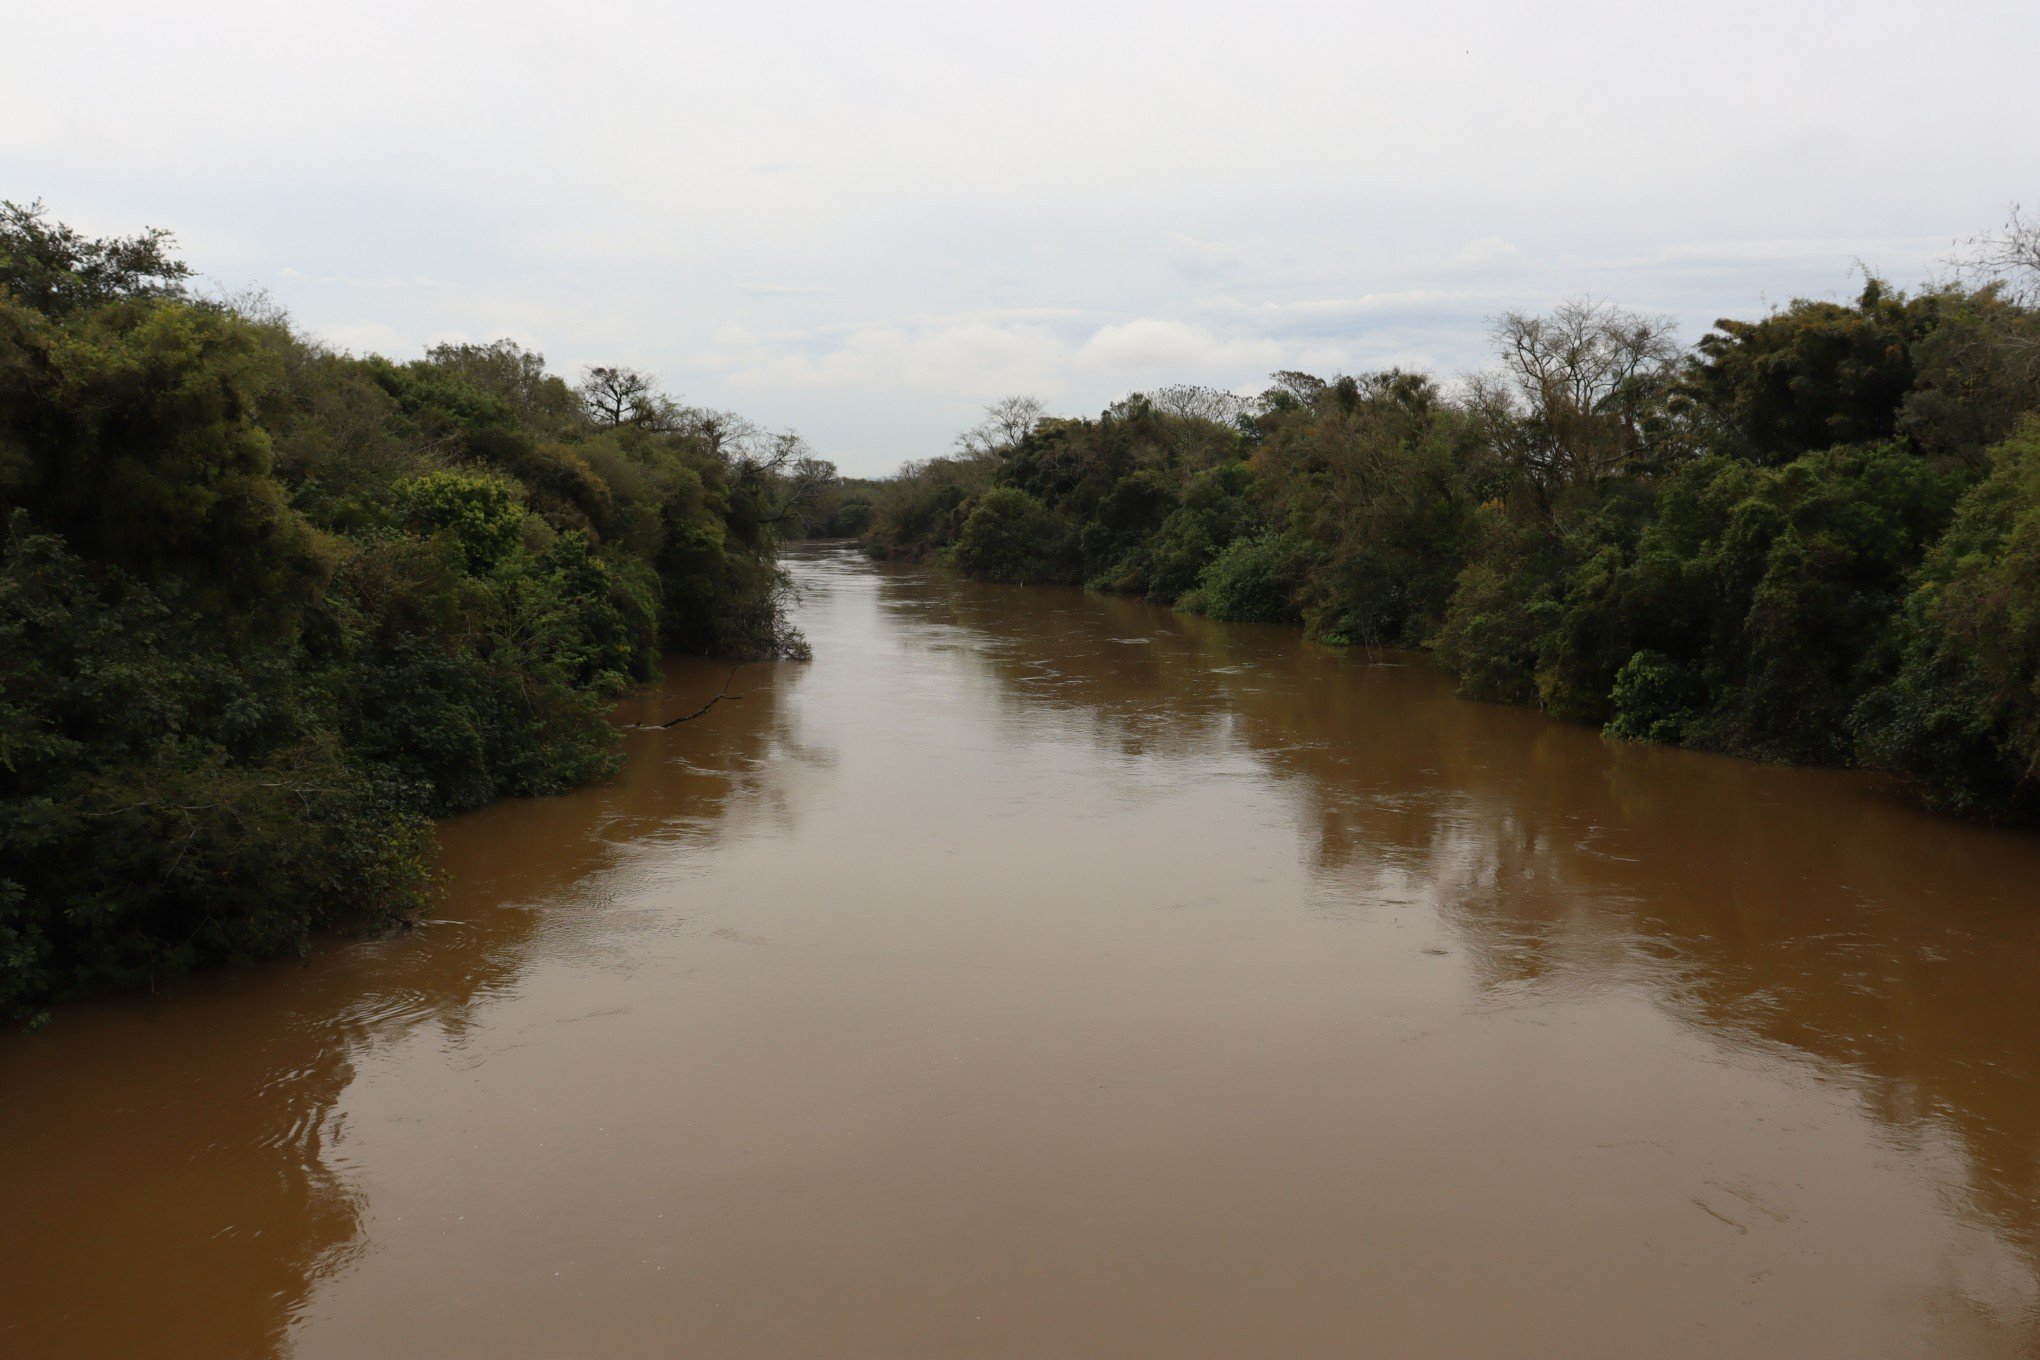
{"x":361,"y":336}
{"x":770,"y":290}
{"x":989,"y":356}
{"x":1155,"y":350}
{"x":904,"y":213}
{"x":1197,"y":259}
{"x":1486,"y":253}
{"x":941,"y":359}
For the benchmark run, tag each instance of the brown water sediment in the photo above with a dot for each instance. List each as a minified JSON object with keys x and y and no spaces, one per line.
{"x":1041,"y":974}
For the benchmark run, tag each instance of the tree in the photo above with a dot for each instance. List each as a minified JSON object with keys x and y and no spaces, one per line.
{"x":483,"y":515}
{"x":1194,"y":402}
{"x":1975,"y":374}
{"x":1578,"y":390}
{"x":784,"y":473}
{"x":1006,"y":423}
{"x":2009,"y":257}
{"x":55,"y":270}
{"x":617,"y":397}
{"x":1012,"y":537}
{"x":720,"y":434}
{"x":514,"y":375}
{"x":132,"y":428}
{"x":1961,"y":715}
{"x":1301,"y":388}
{"x":1810,"y":375}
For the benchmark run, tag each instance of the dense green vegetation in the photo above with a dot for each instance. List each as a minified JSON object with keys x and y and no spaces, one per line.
{"x":265,"y":608}
{"x":1811,"y":537}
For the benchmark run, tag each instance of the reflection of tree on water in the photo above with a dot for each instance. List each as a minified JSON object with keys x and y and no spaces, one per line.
{"x":221,"y":1111}
{"x":1766,"y":906}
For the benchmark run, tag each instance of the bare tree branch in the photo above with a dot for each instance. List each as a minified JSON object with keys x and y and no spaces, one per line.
{"x":690,"y":717}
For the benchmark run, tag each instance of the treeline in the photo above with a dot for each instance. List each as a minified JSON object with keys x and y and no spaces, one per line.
{"x":266,"y":608}
{"x":1812,"y":537}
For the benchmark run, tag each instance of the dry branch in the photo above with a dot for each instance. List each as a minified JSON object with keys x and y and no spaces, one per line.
{"x":690,"y":717}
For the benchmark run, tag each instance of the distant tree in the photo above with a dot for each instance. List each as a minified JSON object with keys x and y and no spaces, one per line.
{"x":1961,"y":715}
{"x":1577,"y":390}
{"x":54,"y":270}
{"x":514,"y":375}
{"x":618,"y":397}
{"x":1006,"y":423}
{"x":1292,"y":388}
{"x":1196,"y":402}
{"x":1810,"y":375}
{"x":1012,"y":537}
{"x":923,"y":508}
{"x":2009,"y":257}
{"x":785,"y":474}
{"x":720,"y":434}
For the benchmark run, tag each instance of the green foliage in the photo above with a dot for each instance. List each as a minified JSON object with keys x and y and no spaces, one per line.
{"x":483,"y":516}
{"x":1812,"y":375}
{"x":1012,"y":537}
{"x":163,"y":803}
{"x":1756,"y":595}
{"x":1961,"y":716}
{"x":1747,"y":548}
{"x":1978,"y":373}
{"x":921,"y":511}
{"x":1112,"y":543}
{"x":1508,"y":619}
{"x":1654,"y":698}
{"x":51,"y":269}
{"x":264,"y":608}
{"x":1383,"y":478}
{"x":1215,"y":511}
{"x":1255,"y":580}
{"x":130,"y":428}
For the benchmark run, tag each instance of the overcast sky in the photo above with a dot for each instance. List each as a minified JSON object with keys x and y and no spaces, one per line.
{"x":866,"y":221}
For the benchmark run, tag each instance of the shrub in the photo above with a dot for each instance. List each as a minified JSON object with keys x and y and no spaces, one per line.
{"x":1255,"y":580}
{"x":1012,"y":537}
{"x":1654,"y":699}
{"x":1961,"y":716}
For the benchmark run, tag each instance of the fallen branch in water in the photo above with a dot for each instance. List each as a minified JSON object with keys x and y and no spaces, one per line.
{"x":1720,"y":1215}
{"x":690,"y":717}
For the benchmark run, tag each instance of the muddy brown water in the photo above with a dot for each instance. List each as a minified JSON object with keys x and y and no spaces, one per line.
{"x":1042,"y":975}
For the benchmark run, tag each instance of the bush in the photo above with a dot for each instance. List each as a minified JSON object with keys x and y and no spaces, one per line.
{"x":254,"y":627}
{"x":481,"y":514}
{"x":1654,"y":699}
{"x":1013,"y":538}
{"x":162,"y":806}
{"x":1961,"y":716}
{"x":1254,"y":581}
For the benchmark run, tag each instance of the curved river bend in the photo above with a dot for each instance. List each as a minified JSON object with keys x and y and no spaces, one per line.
{"x":1042,"y":975}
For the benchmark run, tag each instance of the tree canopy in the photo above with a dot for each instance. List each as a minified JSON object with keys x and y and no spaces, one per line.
{"x":1808,"y":537}
{"x":264,"y":607}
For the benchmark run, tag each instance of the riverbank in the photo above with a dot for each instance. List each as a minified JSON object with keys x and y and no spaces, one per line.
{"x":1807,"y":539}
{"x":267,"y":608}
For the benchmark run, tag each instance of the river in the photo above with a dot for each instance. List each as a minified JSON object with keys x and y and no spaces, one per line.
{"x":1040,"y":974}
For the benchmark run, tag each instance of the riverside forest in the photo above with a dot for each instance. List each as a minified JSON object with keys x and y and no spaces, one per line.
{"x":1814,"y":537}
{"x":1537,"y":861}
{"x":267,"y":608}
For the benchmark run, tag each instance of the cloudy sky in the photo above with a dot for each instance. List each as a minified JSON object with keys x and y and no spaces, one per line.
{"x":866,"y":221}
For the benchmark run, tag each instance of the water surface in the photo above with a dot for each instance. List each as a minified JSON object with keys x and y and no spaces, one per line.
{"x":1038,"y":974}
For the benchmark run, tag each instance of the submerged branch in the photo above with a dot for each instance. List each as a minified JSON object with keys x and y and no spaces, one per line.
{"x":690,"y":717}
